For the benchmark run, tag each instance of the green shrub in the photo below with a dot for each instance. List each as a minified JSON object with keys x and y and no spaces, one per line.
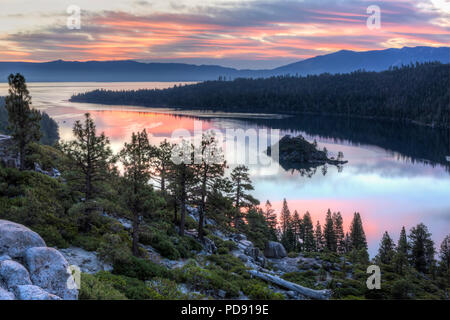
{"x":93,"y":288}
{"x":165,"y":289}
{"x":139,"y":268}
{"x":259,"y":291}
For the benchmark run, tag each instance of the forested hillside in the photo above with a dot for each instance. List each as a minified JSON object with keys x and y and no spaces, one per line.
{"x":49,"y":127}
{"x":415,"y":93}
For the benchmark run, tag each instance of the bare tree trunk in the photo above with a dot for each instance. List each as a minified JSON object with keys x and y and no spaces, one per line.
{"x":183,"y":204}
{"x":135,"y":235}
{"x":22,"y":157}
{"x":307,"y":292}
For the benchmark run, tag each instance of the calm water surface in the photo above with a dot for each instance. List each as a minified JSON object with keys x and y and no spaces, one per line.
{"x":396,"y":176}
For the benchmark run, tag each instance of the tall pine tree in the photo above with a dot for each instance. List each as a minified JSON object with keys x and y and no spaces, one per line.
{"x":91,"y":154}
{"x":309,"y":244}
{"x":285,"y":217}
{"x":135,"y":157}
{"x":209,"y":165}
{"x":422,"y":248}
{"x":357,"y":235}
{"x":339,"y":232}
{"x":241,"y":185}
{"x":386,"y":250}
{"x":271,"y":219}
{"x":401,"y":253}
{"x":23,"y":120}
{"x":318,"y":236}
{"x":329,"y":233}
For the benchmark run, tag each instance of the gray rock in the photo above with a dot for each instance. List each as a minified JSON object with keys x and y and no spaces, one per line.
{"x":13,"y":274}
{"x":275,"y":250}
{"x":5,"y":257}
{"x":49,"y":270}
{"x":15,"y":239}
{"x":87,"y":261}
{"x":30,"y":292}
{"x":243,"y":258}
{"x":5,"y":295}
{"x":239,"y":237}
{"x":221,"y":294}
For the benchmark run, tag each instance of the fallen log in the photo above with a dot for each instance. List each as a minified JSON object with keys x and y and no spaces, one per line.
{"x":307,"y":292}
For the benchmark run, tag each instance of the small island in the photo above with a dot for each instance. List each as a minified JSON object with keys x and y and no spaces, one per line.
{"x":297,"y":152}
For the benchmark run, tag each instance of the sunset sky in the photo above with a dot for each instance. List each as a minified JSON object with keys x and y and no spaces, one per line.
{"x":242,"y":34}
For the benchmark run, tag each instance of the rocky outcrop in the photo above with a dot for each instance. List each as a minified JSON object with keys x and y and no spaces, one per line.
{"x":87,"y":261}
{"x":31,"y":292}
{"x":13,"y":274}
{"x":49,"y":270}
{"x":6,"y":295}
{"x":15,"y":239}
{"x":274,"y":250}
{"x":29,"y":270}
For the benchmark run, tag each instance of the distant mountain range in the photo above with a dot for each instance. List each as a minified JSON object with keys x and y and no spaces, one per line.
{"x":343,"y":61}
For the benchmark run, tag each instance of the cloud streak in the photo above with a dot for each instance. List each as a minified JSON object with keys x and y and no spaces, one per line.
{"x":258,"y":31}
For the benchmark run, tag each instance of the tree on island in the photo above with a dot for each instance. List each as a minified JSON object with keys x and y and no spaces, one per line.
{"x":23,"y":120}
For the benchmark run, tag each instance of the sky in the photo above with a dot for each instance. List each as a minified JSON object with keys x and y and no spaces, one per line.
{"x":251,"y":34}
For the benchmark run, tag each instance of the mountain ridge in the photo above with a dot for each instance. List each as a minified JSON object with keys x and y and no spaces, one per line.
{"x":343,"y":61}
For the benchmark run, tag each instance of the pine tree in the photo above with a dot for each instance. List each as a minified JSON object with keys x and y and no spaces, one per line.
{"x":209,"y":166}
{"x":288,"y":239}
{"x":339,"y":232}
{"x":161,"y":162}
{"x":357,"y":235}
{"x":285,"y":217}
{"x":297,"y":229}
{"x":401,"y":253}
{"x":23,"y":120}
{"x":329,"y":233}
{"x":91,"y":154}
{"x":422,"y":248}
{"x":347,"y":243}
{"x":241,"y":185}
{"x":320,"y":242}
{"x":444,"y":255}
{"x":287,"y":230}
{"x":309,"y":244}
{"x":135,"y":158}
{"x":271,"y":219}
{"x":386,"y":250}
{"x":182,"y":177}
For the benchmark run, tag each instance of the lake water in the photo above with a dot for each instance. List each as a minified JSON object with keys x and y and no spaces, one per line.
{"x":396,"y":175}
